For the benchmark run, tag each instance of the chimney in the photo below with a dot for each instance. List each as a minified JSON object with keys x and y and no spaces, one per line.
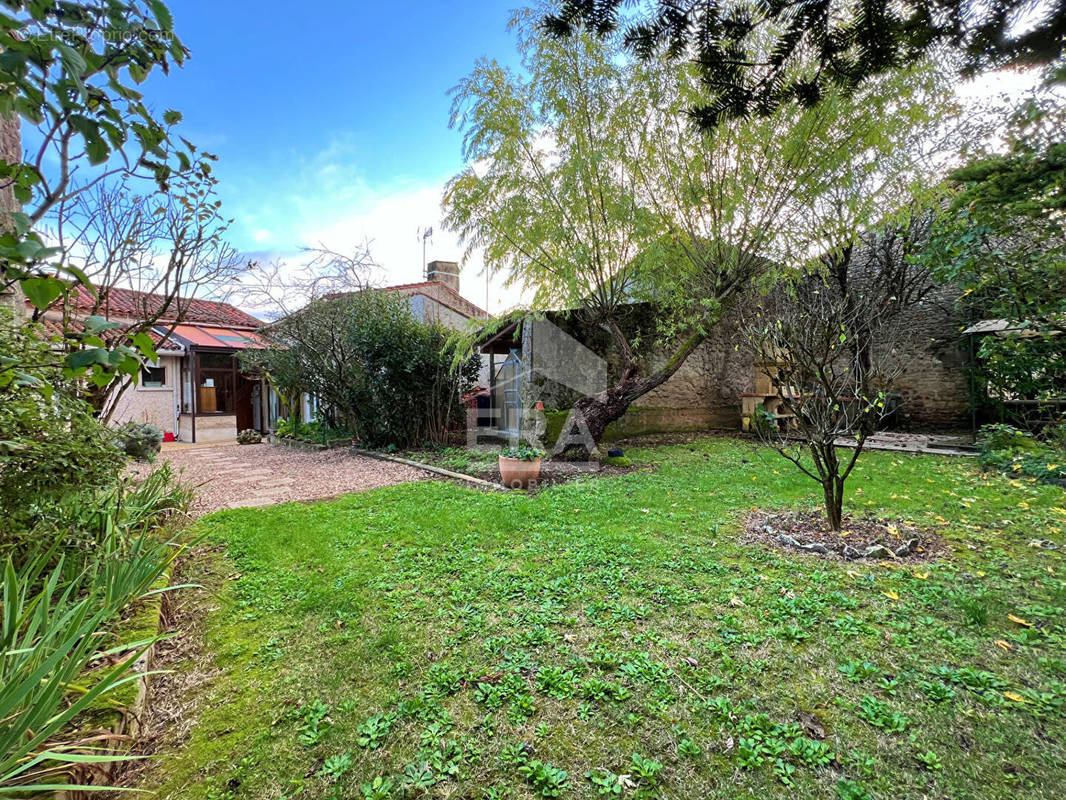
{"x":446,"y":272}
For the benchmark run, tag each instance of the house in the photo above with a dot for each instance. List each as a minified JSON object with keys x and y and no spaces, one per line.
{"x":195,"y":390}
{"x":437,"y":299}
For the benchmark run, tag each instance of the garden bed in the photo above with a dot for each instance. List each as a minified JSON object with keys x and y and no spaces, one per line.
{"x":309,"y":446}
{"x":860,"y":538}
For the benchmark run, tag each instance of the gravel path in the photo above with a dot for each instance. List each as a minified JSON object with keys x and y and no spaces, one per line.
{"x":235,"y":476}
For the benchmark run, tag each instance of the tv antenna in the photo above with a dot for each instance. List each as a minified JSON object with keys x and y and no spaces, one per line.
{"x":425,"y":234}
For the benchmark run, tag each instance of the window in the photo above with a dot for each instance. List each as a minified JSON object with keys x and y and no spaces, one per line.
{"x":153,"y":377}
{"x":216,"y":384}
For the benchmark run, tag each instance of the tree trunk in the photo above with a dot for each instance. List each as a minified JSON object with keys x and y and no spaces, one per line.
{"x":833,"y":490}
{"x":590,"y":416}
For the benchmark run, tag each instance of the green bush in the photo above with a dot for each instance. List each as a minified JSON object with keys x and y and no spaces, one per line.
{"x":1005,"y":437}
{"x":316,"y":432}
{"x":139,"y":440}
{"x":53,"y":628}
{"x":50,"y":442}
{"x":75,"y":528}
{"x":380,"y":375}
{"x":65,"y":586}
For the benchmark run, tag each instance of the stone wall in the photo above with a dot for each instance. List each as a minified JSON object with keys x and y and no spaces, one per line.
{"x":710,"y":381}
{"x":705,"y":391}
{"x":935,"y":386}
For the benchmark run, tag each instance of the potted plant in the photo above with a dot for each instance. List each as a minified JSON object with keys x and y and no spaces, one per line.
{"x":520,"y":466}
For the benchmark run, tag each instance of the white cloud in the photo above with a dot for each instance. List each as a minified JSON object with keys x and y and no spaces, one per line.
{"x":326,"y":201}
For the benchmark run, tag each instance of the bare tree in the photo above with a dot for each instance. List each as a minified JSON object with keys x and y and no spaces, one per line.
{"x":833,"y":346}
{"x":282,"y":288}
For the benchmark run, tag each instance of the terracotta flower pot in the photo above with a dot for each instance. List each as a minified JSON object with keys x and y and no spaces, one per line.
{"x":518,"y":474}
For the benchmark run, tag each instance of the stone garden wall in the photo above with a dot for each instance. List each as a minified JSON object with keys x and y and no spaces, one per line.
{"x":705,"y":391}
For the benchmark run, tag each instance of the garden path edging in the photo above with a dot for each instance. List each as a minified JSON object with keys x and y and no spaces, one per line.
{"x":447,"y":473}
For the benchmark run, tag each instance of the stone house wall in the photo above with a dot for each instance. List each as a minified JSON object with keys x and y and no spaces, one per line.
{"x":935,"y":386}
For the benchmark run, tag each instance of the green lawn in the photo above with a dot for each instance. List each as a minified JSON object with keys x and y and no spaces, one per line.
{"x":616,"y":638}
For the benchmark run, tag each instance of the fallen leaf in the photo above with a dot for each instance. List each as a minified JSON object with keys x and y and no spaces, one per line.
{"x":1014,"y":697}
{"x":891,"y":595}
{"x":810,"y":723}
{"x":1019,"y":621}
{"x":1003,"y":645}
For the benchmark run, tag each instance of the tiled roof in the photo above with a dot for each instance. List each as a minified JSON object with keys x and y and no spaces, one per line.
{"x":131,"y":304}
{"x":437,"y":285}
{"x":53,"y":327}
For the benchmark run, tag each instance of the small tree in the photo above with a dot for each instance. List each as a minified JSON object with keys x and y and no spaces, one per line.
{"x":169,"y":246}
{"x":1002,"y":240}
{"x":832,"y":346}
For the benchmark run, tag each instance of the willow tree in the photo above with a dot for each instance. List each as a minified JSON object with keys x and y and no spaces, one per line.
{"x":586,"y":185}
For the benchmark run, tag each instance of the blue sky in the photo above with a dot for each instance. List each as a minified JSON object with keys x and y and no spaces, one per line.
{"x":332,"y":125}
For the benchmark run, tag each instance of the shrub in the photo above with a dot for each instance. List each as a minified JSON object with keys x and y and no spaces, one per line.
{"x":93,"y":554}
{"x":249,"y":436}
{"x":1005,"y":437}
{"x":1018,"y":452}
{"x":53,"y":629}
{"x":379,"y":374}
{"x":139,"y":440}
{"x":77,"y":527}
{"x":50,"y":442}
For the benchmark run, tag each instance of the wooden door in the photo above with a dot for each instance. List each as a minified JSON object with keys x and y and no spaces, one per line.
{"x":242,"y":403}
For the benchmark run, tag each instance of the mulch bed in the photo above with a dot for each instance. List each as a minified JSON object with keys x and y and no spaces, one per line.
{"x":861,"y":538}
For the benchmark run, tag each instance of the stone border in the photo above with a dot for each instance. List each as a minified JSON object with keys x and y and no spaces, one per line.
{"x":308,"y":447}
{"x":447,"y":473}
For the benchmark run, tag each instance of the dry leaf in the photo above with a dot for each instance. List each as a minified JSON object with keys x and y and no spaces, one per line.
{"x":891,"y":595}
{"x":810,"y":723}
{"x":1015,"y":697}
{"x":1019,"y":620}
